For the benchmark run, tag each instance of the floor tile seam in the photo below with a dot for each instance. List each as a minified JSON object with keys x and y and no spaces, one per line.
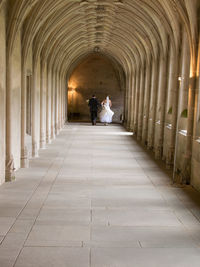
{"x":42,"y":178}
{"x":157,"y":188}
{"x":186,"y":208}
{"x":39,"y":209}
{"x":51,"y":246}
{"x":26,"y":203}
{"x":34,"y":221}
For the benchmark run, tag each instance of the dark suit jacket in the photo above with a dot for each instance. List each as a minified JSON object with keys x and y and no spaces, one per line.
{"x":93,"y":104}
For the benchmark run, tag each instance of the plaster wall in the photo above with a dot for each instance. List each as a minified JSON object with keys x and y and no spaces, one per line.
{"x":2,"y":90}
{"x":15,"y":84}
{"x":94,"y":75}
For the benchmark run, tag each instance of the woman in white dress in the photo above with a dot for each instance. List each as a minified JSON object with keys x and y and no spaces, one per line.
{"x":106,"y":114}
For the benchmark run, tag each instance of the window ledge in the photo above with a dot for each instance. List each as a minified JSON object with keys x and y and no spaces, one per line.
{"x":183,"y":132}
{"x":158,"y":122}
{"x":169,"y":126}
{"x":198,"y":140}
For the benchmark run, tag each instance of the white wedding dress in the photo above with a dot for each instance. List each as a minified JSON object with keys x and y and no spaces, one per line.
{"x":106,"y":114}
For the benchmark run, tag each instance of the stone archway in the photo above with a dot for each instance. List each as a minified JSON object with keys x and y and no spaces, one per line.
{"x":95,"y":74}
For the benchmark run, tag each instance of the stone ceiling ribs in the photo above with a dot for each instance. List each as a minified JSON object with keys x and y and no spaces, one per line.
{"x":59,"y":28}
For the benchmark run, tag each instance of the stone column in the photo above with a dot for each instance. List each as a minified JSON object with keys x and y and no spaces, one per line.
{"x":65,"y":100}
{"x":48,"y":107}
{"x":2,"y":92}
{"x":185,"y":102}
{"x":35,"y":108}
{"x":10,"y":175}
{"x":161,"y":107}
{"x":146,"y":103}
{"x":141,"y":103}
{"x":153,"y":103}
{"x":129,"y":96}
{"x":197,"y":94}
{"x":132,"y":101}
{"x":173,"y":86}
{"x":13,"y":109}
{"x":137,"y":91}
{"x":43,"y":81}
{"x":24,"y":150}
{"x":61,"y":103}
{"x":56,"y":102}
{"x":127,"y":102}
{"x":53,"y":105}
{"x":190,"y":122}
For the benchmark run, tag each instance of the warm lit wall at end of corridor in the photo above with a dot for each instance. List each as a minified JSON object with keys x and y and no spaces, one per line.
{"x":94,"y":75}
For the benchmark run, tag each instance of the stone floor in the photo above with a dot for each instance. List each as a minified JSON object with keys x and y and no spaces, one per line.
{"x":95,"y":198}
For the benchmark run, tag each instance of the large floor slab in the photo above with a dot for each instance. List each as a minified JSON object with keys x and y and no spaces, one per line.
{"x":95,"y":198}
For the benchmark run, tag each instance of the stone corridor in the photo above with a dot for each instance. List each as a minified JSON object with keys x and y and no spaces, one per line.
{"x":95,"y":198}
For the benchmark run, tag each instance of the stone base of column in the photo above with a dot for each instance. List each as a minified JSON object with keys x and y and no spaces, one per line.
{"x":48,"y":139}
{"x":53,"y":136}
{"x":42,"y":144}
{"x":34,"y":150}
{"x":10,"y":170}
{"x":42,"y":141}
{"x":169,"y":158}
{"x":24,"y":158}
{"x":24,"y":163}
{"x":57,"y":129}
{"x":10,"y":176}
{"x":158,"y":153}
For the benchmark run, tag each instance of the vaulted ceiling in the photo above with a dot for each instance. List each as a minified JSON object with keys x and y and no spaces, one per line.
{"x":129,"y":31}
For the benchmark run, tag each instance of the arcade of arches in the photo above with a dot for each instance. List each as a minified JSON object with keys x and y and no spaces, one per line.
{"x":145,"y":54}
{"x":153,"y":48}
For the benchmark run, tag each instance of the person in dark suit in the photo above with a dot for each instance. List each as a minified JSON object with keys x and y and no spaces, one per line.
{"x":93,"y":104}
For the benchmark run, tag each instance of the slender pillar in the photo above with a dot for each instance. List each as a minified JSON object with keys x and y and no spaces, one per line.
{"x":129,"y":97}
{"x":153,"y":103}
{"x":13,"y":109}
{"x":10,"y":175}
{"x":36,"y":108}
{"x":133,"y":86}
{"x":48,"y":107}
{"x":146,"y":103}
{"x":53,"y":105}
{"x":136,"y":100}
{"x":24,"y":150}
{"x":43,"y":105}
{"x":56,"y":102}
{"x":141,"y":103}
{"x":161,"y":107}
{"x":173,"y":86}
{"x":60,"y":104}
{"x":2,"y":92}
{"x":190,"y":123}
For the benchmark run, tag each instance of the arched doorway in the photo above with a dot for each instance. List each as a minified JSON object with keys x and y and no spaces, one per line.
{"x":99,"y":75}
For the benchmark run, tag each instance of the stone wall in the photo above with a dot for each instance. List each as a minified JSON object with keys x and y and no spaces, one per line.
{"x":95,"y":75}
{"x":2,"y":91}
